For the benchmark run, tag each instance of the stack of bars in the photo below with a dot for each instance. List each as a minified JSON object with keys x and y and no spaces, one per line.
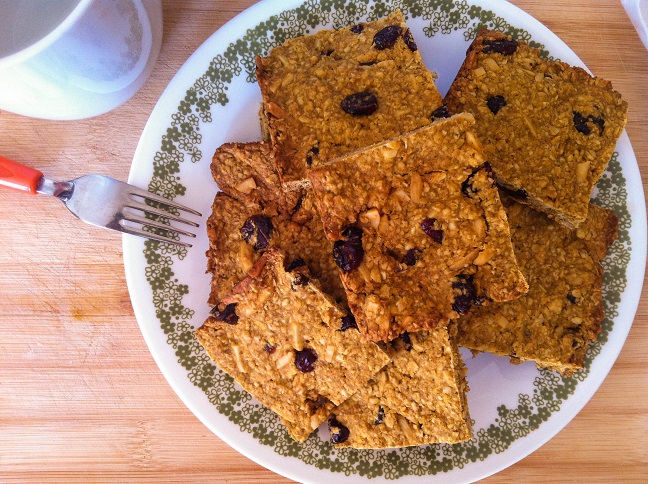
{"x":378,"y":227}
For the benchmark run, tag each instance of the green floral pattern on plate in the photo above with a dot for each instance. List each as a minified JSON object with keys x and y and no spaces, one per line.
{"x":181,"y":144}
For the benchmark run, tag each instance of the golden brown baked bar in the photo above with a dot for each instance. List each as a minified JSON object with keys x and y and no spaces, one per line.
{"x":419,"y":232}
{"x":285,"y":220}
{"x":418,"y":398}
{"x":280,"y":337}
{"x":555,"y":322}
{"x":548,"y":129}
{"x":332,"y":92}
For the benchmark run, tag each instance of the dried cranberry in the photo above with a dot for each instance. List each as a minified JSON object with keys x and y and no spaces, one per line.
{"x":428,"y":227}
{"x":381,"y":416}
{"x":299,"y":262}
{"x":411,"y":256}
{"x":348,"y":253}
{"x":339,"y":433}
{"x":357,"y":29}
{"x":465,"y":293}
{"x":409,"y":40}
{"x":360,"y":104}
{"x":495,"y":103}
{"x":257,"y":228}
{"x":571,"y":298}
{"x":386,"y":37}
{"x":305,"y":360}
{"x":407,"y":340}
{"x":467,"y":187}
{"x":440,"y":113}
{"x":227,"y":315}
{"x":501,"y":46}
{"x":299,"y":280}
{"x":268,"y":348}
{"x":314,"y":151}
{"x":580,"y":123}
{"x":348,"y":322}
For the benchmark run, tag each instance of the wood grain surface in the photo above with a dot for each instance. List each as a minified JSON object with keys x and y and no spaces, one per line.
{"x":81,"y":398}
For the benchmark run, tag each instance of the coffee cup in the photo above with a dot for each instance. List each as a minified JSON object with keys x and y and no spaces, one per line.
{"x":74,"y":59}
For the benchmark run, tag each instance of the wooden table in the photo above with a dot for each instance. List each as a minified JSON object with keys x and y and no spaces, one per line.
{"x":80,"y":396}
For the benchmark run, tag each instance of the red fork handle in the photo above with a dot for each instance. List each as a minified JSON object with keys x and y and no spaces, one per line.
{"x":19,"y":177}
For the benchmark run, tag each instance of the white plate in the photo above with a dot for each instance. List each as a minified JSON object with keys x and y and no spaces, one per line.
{"x":213,"y":99}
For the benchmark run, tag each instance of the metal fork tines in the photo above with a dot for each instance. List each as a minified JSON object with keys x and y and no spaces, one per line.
{"x":110,"y":203}
{"x":133,"y":218}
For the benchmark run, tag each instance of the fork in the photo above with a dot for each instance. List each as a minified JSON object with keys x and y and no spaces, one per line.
{"x":104,"y":202}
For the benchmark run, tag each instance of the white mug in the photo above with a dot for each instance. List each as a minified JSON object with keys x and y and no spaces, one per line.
{"x":73,"y":59}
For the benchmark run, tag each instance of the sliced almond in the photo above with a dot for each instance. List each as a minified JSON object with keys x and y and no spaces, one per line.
{"x":246,"y":186}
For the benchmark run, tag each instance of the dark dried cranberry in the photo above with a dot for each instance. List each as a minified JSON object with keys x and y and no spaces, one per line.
{"x":268,"y":348}
{"x":348,"y":253}
{"x":495,"y":103}
{"x":411,"y":256}
{"x":501,"y":46}
{"x":386,"y":37}
{"x":407,"y":340}
{"x":357,"y":29}
{"x":467,"y":187}
{"x":440,"y":113}
{"x":305,"y":360}
{"x":409,"y":40}
{"x":227,"y":315}
{"x":299,"y":262}
{"x":428,"y":227}
{"x":259,"y":229}
{"x":339,"y":433}
{"x":571,"y":298}
{"x":299,"y":280}
{"x":580,"y":123}
{"x":360,"y":104}
{"x":348,"y":322}
{"x":381,"y":416}
{"x":314,"y":151}
{"x":465,"y":294}
{"x":518,"y":194}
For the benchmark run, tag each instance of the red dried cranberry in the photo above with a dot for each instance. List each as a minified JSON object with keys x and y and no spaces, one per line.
{"x":305,"y":360}
{"x":299,"y":280}
{"x":348,"y":322}
{"x":360,"y":103}
{"x":411,"y":256}
{"x":428,"y":227}
{"x":227,"y":315}
{"x":268,"y":348}
{"x":339,"y":433}
{"x":465,"y":294}
{"x":386,"y":37}
{"x":348,"y":253}
{"x":257,"y":228}
{"x":501,"y":46}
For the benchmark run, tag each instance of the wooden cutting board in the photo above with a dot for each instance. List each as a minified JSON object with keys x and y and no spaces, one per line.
{"x":81,"y":398}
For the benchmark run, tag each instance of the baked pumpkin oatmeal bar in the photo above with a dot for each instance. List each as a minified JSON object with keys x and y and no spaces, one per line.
{"x":253,"y":213}
{"x":548,"y":129}
{"x":419,"y":232}
{"x":332,"y":92}
{"x":283,"y":340}
{"x":557,"y":320}
{"x":418,"y":398}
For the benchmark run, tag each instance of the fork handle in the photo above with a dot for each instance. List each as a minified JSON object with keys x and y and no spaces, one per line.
{"x":19,"y":177}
